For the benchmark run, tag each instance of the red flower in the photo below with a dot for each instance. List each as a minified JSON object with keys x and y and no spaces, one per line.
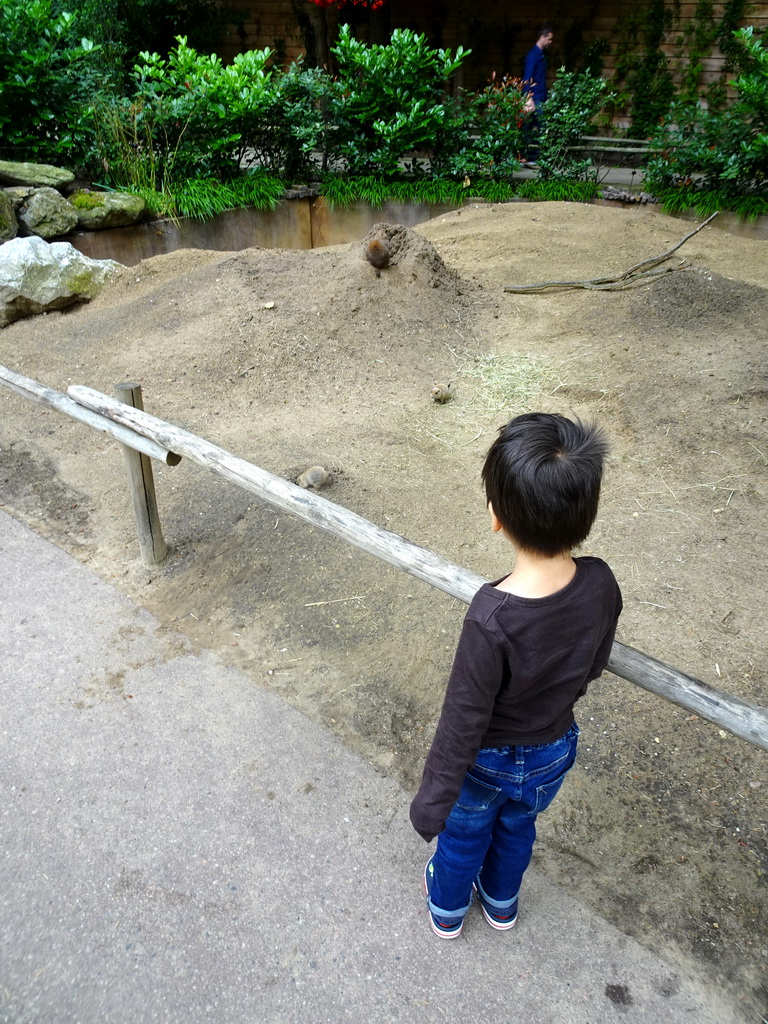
{"x":373,"y":4}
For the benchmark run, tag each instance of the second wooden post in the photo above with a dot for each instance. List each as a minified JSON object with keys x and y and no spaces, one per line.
{"x":153,"y":547}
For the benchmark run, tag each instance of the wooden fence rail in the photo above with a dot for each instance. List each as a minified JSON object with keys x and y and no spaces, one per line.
{"x":745,"y":720}
{"x":37,"y":392}
{"x":139,"y":429}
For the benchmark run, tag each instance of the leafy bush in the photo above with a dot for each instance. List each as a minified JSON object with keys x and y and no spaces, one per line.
{"x":752,"y":107}
{"x":723,"y":153}
{"x":123,"y":29}
{"x":44,"y":77}
{"x":699,"y":148}
{"x":188,"y":116}
{"x":573,"y":103}
{"x":294,"y":126}
{"x":490,"y":138}
{"x":389,"y":100}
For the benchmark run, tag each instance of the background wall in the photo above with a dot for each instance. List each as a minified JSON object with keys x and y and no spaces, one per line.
{"x":499,"y":34}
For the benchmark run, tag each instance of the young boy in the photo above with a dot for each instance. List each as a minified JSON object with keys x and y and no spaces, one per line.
{"x":530,"y":644}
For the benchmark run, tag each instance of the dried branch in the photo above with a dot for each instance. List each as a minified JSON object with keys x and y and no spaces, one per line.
{"x":617,"y":285}
{"x":638,"y":271}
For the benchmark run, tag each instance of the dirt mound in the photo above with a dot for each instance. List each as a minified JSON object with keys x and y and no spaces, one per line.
{"x":290,"y":317}
{"x":698,"y":297}
{"x":416,"y":258}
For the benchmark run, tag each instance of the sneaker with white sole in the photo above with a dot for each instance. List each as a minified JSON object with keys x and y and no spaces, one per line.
{"x":445,"y":927}
{"x":500,"y":918}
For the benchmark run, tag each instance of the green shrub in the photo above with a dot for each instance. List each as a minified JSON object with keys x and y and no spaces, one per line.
{"x":491,"y":133}
{"x":389,"y":100}
{"x":752,"y":107}
{"x":125,"y":28}
{"x":294,"y":127}
{"x":720,"y":153}
{"x":573,"y":103}
{"x":45,"y":75}
{"x":698,"y":147}
{"x":188,"y":116}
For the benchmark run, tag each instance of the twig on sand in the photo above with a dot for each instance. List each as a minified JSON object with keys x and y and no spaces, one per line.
{"x":627,"y":279}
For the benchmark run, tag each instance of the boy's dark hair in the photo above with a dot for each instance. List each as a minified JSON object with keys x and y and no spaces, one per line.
{"x":542,"y":476}
{"x":545,"y":30}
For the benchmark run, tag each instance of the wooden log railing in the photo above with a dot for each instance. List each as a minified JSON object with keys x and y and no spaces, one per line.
{"x":745,"y":720}
{"x":37,"y":392}
{"x":748,"y":721}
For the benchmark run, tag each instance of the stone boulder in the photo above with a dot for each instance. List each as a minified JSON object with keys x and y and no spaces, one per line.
{"x":99,"y":210}
{"x":18,"y":194}
{"x":36,"y":277}
{"x":46,"y":213}
{"x":12,"y":173}
{"x":8,"y":225}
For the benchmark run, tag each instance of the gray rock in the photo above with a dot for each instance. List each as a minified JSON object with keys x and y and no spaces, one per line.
{"x":36,"y":277}
{"x":99,"y":210}
{"x":18,"y":194}
{"x":9,"y":227}
{"x":46,"y":213}
{"x":12,"y":173}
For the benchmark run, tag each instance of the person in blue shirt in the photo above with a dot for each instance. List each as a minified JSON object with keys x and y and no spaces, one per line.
{"x":535,"y":82}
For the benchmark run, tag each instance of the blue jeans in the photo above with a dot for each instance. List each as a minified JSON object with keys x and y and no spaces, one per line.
{"x":491,"y":830}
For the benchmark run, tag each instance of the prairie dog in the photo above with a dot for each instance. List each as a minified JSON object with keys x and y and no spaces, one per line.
{"x":314,"y":478}
{"x":378,"y":255}
{"x":441,"y":393}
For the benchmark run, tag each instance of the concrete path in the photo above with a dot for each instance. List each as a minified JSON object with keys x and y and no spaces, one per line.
{"x":179,"y":846}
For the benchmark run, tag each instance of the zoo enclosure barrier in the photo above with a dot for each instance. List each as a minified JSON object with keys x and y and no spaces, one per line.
{"x":146,"y":437}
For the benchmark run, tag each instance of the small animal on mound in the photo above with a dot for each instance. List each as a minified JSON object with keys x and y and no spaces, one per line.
{"x":442,"y":393}
{"x":314,"y":478}
{"x":378,"y":255}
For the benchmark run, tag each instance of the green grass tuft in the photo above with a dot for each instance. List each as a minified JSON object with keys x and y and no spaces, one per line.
{"x":705,"y":203}
{"x":204,"y":198}
{"x":557,"y":190}
{"x":375,"y":191}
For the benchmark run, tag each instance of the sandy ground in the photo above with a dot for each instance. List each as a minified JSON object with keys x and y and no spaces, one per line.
{"x":289,"y":359}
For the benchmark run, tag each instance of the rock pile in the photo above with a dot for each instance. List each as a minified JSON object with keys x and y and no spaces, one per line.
{"x":624,"y":195}
{"x":36,"y":276}
{"x":32,"y":203}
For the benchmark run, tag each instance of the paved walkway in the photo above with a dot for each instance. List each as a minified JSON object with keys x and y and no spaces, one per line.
{"x":180,"y":846}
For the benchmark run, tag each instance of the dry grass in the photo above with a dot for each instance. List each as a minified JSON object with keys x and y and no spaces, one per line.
{"x":487,"y":390}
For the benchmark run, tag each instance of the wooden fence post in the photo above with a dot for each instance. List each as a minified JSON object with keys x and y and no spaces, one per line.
{"x":153,"y":547}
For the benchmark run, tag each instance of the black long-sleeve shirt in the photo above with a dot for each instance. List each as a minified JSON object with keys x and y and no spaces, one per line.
{"x":520,"y":666}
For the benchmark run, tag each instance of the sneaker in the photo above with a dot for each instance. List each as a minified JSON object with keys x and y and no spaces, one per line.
{"x":446,"y":928}
{"x":499,"y":918}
